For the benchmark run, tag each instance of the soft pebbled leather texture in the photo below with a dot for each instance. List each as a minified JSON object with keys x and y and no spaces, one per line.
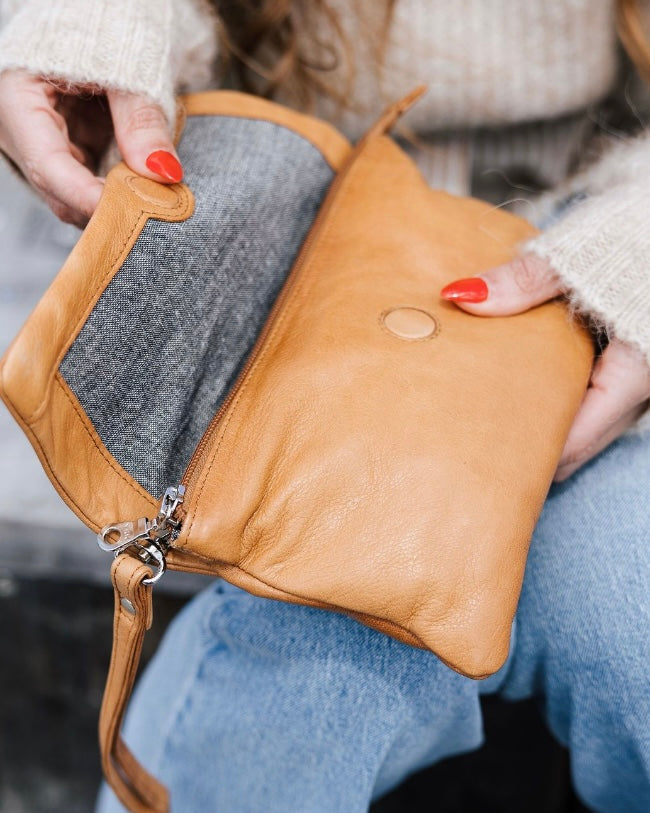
{"x":388,"y":466}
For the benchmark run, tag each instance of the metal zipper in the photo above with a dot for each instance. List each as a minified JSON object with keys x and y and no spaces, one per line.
{"x":151,"y":539}
{"x":287,"y":289}
{"x":148,"y":539}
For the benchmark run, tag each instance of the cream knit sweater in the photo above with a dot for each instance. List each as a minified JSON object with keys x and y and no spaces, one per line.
{"x":515,"y":105}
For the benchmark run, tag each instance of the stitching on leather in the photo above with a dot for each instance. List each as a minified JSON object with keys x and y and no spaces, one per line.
{"x":297,"y":297}
{"x":114,"y":268}
{"x":151,"y":792}
{"x":116,"y":645}
{"x":284,"y":126}
{"x":325,"y":604}
{"x":48,"y":465}
{"x":183,"y":207}
{"x":58,"y":379}
{"x":212,"y":568}
{"x":72,"y":335}
{"x":114,"y":733}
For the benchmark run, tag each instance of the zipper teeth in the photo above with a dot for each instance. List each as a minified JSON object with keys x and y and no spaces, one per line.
{"x":290,"y":283}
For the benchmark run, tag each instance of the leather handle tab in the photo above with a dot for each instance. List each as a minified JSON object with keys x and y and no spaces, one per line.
{"x":133,"y":785}
{"x":394,"y":112}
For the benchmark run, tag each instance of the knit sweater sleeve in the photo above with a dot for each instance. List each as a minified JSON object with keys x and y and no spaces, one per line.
{"x":600,"y":247}
{"x":598,"y":233}
{"x":155,"y":48}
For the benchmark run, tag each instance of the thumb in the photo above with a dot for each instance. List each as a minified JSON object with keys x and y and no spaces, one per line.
{"x":514,"y":287}
{"x":144,"y":138}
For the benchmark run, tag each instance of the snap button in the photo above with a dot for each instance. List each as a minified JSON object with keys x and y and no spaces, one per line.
{"x":165,"y":197}
{"x":413,"y":324}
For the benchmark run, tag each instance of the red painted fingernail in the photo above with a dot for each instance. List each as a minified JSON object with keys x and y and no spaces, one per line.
{"x":166,"y":165}
{"x":472,"y":289}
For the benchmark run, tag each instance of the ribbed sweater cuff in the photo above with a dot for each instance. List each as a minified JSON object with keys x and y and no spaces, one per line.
{"x":113,"y":44}
{"x":601,"y":251}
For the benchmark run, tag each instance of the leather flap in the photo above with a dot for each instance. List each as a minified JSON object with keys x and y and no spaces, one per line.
{"x":387,"y":454}
{"x":71,"y":452}
{"x":91,"y":481}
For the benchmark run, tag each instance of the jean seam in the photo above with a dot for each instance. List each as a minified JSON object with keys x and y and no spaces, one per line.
{"x":184,"y":696}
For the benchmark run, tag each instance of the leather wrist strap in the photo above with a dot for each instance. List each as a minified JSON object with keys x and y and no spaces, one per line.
{"x":132,"y":784}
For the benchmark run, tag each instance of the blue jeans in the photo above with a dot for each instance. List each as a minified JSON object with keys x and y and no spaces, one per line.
{"x":254,"y":705}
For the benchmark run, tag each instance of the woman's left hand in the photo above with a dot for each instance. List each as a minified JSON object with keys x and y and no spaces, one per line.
{"x":620,"y":382}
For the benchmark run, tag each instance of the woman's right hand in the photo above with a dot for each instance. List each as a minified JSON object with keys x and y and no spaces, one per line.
{"x":56,"y":136}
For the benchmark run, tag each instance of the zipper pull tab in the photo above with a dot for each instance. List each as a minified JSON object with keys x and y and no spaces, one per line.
{"x":149,"y":539}
{"x":118,"y":537}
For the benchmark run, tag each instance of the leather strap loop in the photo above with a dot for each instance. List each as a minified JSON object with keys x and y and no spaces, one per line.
{"x":393,"y":113}
{"x":133,"y":785}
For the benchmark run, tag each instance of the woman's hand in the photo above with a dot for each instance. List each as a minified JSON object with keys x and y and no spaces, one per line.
{"x":620,"y":382}
{"x":56,"y":136}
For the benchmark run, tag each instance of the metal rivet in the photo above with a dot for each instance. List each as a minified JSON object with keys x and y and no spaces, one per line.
{"x":127,"y":606}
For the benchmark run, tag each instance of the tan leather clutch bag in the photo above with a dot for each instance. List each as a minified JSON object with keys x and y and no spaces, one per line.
{"x":379,"y":453}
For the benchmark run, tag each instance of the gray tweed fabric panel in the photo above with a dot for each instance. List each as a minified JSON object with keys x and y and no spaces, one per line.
{"x":169,"y":335}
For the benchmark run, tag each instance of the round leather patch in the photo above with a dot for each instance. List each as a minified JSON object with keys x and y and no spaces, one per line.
{"x":413,"y":324}
{"x":159,"y":194}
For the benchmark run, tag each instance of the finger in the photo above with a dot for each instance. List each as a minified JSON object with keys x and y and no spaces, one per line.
{"x":511,"y":288}
{"x":90,"y":127}
{"x":586,"y":453}
{"x":65,"y":213}
{"x":144,"y":138}
{"x":37,"y":141}
{"x":620,"y":387}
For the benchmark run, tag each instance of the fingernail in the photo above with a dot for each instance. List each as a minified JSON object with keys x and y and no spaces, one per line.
{"x":472,"y":289}
{"x":166,"y":165}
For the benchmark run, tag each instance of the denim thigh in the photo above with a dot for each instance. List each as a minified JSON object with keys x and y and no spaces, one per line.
{"x":251,"y":704}
{"x":254,"y":704}
{"x":583,"y":634}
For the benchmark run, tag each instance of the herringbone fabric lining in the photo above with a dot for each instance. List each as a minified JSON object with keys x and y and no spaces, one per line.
{"x":171,"y":331}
